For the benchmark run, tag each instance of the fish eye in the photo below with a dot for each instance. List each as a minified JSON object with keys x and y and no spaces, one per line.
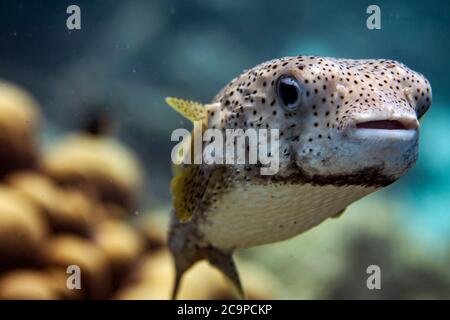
{"x":289,"y":92}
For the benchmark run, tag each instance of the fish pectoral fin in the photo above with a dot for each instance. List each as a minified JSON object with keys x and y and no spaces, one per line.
{"x":180,"y":194}
{"x":340,"y":213}
{"x":191,"y":110}
{"x":190,"y":187}
{"x":187,"y":187}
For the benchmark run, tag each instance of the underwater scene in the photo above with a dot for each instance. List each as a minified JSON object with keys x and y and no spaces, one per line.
{"x":100,"y":199}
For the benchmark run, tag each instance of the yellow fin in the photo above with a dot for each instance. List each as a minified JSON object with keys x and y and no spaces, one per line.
{"x":178,"y":192}
{"x":340,"y":213}
{"x":183,"y":189}
{"x":191,"y":110}
{"x":190,"y":187}
{"x":421,"y":119}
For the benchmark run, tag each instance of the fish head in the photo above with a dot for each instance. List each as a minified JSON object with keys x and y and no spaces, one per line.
{"x":339,"y":120}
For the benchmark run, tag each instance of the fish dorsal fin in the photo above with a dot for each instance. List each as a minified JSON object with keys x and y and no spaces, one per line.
{"x":191,"y":110}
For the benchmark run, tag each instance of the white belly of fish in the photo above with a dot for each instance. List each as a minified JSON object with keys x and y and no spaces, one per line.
{"x":259,"y":214}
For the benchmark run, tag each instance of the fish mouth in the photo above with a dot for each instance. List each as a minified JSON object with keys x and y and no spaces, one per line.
{"x":403,"y":128}
{"x":383,"y":125}
{"x":397,"y":124}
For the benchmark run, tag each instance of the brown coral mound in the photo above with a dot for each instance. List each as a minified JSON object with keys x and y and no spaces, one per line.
{"x":67,"y":218}
{"x":19,"y":123}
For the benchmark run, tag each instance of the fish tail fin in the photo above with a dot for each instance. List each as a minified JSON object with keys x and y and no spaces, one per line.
{"x":225,"y":263}
{"x":191,"y":110}
{"x":182,"y":264}
{"x":176,"y":285}
{"x":222,"y":261}
{"x":183,"y":254}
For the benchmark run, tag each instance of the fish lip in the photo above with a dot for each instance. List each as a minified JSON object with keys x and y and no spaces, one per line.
{"x":384,"y":134}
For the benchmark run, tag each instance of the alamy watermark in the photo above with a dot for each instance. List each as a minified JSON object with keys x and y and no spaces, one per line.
{"x":230,"y":146}
{"x":73,"y":22}
{"x":374,"y":280}
{"x":374,"y":20}
{"x":73,"y":281}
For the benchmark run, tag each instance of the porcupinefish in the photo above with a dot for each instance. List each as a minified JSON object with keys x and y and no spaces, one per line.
{"x":346,"y":129}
